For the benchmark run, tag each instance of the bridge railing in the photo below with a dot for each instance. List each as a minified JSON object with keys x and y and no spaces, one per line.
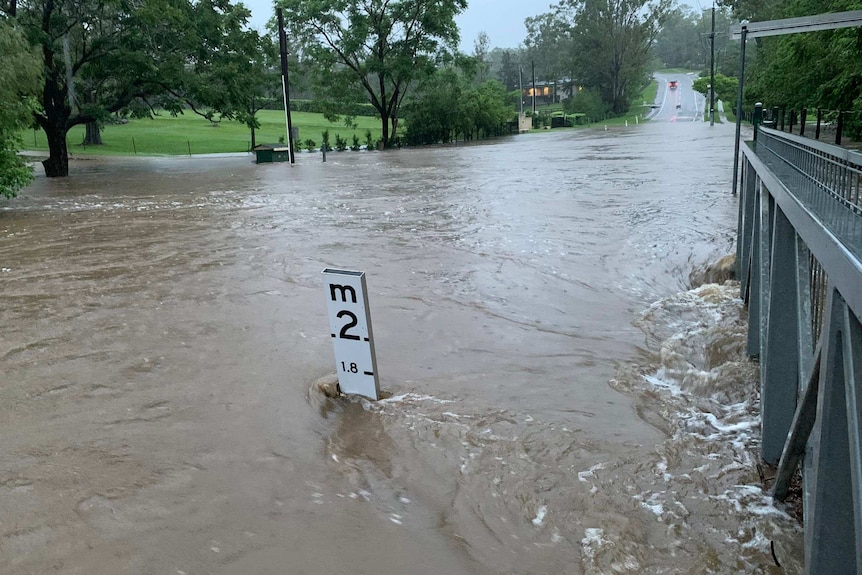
{"x":799,"y":249}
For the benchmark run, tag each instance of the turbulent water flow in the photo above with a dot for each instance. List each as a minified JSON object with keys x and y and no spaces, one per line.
{"x":558,"y":398}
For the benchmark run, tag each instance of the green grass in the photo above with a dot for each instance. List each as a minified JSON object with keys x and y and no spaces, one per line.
{"x":649,"y":93}
{"x":675,"y":71}
{"x":168,"y":135}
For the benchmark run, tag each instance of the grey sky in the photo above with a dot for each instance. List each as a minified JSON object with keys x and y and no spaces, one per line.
{"x":502,"y":20}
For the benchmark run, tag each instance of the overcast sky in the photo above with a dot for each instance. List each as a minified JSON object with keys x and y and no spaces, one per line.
{"x":502,"y":20}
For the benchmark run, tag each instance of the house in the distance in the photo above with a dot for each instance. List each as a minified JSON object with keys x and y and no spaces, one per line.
{"x":549,"y":92}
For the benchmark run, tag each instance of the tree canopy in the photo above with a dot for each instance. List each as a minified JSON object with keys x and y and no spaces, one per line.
{"x":374,"y":49}
{"x":106,"y":56}
{"x":451,"y":104}
{"x":20,"y":74}
{"x":603,"y":45}
{"x":813,"y":69}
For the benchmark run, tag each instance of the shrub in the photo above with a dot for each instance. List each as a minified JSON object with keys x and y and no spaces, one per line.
{"x":355,"y":146}
{"x":340,"y":143}
{"x":325,"y":145}
{"x":310,"y":145}
{"x":587,"y":102}
{"x":369,"y":143}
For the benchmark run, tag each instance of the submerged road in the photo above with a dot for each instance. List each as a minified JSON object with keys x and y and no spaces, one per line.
{"x":164,"y":319}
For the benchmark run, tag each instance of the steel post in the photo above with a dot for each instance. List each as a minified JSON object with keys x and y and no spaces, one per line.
{"x":736,"y":175}
{"x":779,"y":380}
{"x":830,"y":528}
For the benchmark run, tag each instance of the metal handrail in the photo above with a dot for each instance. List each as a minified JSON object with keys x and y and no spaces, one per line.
{"x":800,"y":260}
{"x":825,"y":178}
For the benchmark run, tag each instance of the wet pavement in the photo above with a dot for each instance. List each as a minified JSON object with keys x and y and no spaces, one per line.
{"x":164,"y":320}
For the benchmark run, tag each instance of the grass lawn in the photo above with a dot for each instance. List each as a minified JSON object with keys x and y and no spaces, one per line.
{"x":676,"y":71}
{"x":650,"y":92}
{"x":168,"y":135}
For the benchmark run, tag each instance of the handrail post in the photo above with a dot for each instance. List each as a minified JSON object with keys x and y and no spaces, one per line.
{"x":840,"y":129}
{"x":819,"y":121}
{"x":758,"y":118}
{"x":736,"y":174}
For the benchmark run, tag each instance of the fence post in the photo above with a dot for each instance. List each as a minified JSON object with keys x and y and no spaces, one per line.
{"x":840,"y":129}
{"x":783,"y":111}
{"x":758,"y":118}
{"x":803,"y":117}
{"x":819,"y":120}
{"x":779,"y":366}
{"x":774,"y":117}
{"x":792,"y":120}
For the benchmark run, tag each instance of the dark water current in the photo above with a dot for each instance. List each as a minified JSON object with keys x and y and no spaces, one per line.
{"x":560,"y":400}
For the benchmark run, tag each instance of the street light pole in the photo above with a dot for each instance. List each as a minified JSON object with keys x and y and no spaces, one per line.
{"x":533,"y":68}
{"x":743,"y":39}
{"x":521,"y":88}
{"x":712,"y":71}
{"x":282,"y":44}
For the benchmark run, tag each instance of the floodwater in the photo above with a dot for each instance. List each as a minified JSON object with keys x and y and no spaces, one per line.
{"x":559,"y":400}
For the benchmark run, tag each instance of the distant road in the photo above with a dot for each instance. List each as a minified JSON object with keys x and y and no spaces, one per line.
{"x":681,"y":104}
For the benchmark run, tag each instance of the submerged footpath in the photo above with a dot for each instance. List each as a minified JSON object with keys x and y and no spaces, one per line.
{"x":703,"y":391}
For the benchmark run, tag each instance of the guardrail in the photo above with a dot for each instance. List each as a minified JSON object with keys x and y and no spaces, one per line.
{"x":798,"y":250}
{"x":817,"y":123}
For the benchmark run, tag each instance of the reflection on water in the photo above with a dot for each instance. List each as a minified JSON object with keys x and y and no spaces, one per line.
{"x":164,"y":318}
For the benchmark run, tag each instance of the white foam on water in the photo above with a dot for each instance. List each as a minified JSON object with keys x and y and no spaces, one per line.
{"x":414,"y":397}
{"x":541,"y":512}
{"x":592,"y":541}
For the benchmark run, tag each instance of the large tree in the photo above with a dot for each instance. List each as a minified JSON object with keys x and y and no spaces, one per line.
{"x":449,"y":104}
{"x":509,"y":68}
{"x":106,"y":56}
{"x":679,"y":44}
{"x":20,"y":72}
{"x":548,"y":46}
{"x":372,"y":49}
{"x":611,"y":44}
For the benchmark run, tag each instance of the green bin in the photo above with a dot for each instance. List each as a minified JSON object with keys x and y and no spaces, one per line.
{"x":267,"y":153}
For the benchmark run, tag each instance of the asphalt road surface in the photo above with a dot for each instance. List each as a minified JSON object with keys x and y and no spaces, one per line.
{"x":680,"y":104}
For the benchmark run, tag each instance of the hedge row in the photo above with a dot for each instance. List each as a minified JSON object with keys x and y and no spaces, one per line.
{"x":318,"y":107}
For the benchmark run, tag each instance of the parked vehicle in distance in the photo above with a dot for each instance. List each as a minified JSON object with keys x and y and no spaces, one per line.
{"x":673,"y":84}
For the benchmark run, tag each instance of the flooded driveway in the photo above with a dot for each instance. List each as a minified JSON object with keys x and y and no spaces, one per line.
{"x":163,"y":321}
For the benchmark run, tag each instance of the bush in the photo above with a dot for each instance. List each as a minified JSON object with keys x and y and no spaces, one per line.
{"x":310,"y":145}
{"x":323,"y":107}
{"x":542,"y":119}
{"x":355,"y":146}
{"x":325,"y":145}
{"x":369,"y":143}
{"x":587,"y":102}
{"x":725,"y":88}
{"x":340,"y":143}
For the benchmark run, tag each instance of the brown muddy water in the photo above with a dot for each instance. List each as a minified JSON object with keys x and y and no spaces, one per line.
{"x":560,"y":400}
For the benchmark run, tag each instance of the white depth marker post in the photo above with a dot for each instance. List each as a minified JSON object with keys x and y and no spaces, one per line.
{"x":350,"y":328}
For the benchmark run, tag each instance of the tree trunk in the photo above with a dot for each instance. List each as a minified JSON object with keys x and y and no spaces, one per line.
{"x":57,"y":164}
{"x":394,"y":121}
{"x":384,"y":119}
{"x":93,"y":135}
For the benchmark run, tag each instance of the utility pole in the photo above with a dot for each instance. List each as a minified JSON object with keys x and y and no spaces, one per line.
{"x":533,"y":68}
{"x":712,"y":70}
{"x":521,"y":89}
{"x":282,"y":44}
